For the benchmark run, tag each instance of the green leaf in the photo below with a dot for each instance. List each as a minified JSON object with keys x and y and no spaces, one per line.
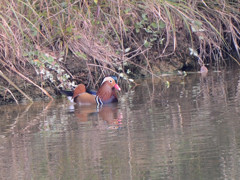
{"x":64,"y":4}
{"x":154,"y":25}
{"x":125,"y":63}
{"x":198,"y":23}
{"x":144,"y":16}
{"x":147,"y":44}
{"x":25,"y":54}
{"x":77,"y":37}
{"x":162,"y":25}
{"x":127,"y":10}
{"x":148,"y":30}
{"x":161,"y":40}
{"x":167,"y":83}
{"x":81,"y":55}
{"x":153,"y":39}
{"x":69,"y":29}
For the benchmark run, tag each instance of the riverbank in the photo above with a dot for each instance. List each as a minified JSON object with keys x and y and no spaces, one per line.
{"x":50,"y":45}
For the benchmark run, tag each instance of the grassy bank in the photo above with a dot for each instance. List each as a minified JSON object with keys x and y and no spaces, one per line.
{"x":54,"y":43}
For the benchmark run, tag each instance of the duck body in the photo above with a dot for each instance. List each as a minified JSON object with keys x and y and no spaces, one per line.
{"x":70,"y":93}
{"x":106,"y":93}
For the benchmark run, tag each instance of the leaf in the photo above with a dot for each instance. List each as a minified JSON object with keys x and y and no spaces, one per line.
{"x":69,"y":29}
{"x":193,"y":52}
{"x":153,"y":39}
{"x":154,"y":25}
{"x":35,"y":33}
{"x":64,"y":4}
{"x":125,"y":63}
{"x":167,"y":83}
{"x":95,"y":1}
{"x":144,"y":16}
{"x":77,"y":37}
{"x":148,"y":30}
{"x":161,"y":40}
{"x":81,"y":55}
{"x":147,"y":44}
{"x":25,"y":54}
{"x":121,"y":75}
{"x":128,"y":71}
{"x":127,"y":50}
{"x":162,"y":25}
{"x":196,"y":26}
{"x":127,"y":10}
{"x":198,"y":23}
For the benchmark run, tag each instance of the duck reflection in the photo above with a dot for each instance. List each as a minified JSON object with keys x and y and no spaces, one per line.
{"x":106,"y":116}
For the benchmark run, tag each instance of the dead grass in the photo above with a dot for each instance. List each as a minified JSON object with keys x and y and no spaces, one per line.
{"x":114,"y":37}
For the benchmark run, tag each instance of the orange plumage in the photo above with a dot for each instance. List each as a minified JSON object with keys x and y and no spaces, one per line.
{"x":106,"y":93}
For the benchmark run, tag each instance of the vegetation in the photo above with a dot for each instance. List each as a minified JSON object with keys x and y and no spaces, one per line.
{"x":51,"y":43}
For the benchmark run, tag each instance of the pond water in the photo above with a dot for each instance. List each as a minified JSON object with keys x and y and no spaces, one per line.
{"x":190,"y":130}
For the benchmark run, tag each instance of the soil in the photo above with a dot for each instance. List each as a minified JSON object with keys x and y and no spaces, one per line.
{"x":77,"y":69}
{"x":80,"y":74}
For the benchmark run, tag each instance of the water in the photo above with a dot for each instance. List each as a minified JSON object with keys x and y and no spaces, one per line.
{"x":188,"y":131}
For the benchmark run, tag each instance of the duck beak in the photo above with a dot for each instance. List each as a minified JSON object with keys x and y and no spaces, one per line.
{"x":117,"y":87}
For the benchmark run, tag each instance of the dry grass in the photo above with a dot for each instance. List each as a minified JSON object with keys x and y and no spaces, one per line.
{"x":114,"y":36}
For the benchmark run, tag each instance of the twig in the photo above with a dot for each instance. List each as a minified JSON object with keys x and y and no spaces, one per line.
{"x":8,"y":90}
{"x":15,"y":86}
{"x":43,"y":90}
{"x":26,"y":78}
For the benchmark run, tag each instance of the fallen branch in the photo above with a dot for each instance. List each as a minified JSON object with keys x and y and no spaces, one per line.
{"x":8,"y":90}
{"x":15,"y":86}
{"x":26,"y":78}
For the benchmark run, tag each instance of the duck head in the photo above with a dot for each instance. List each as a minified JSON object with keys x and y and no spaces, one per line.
{"x":107,"y":91}
{"x":112,"y":81}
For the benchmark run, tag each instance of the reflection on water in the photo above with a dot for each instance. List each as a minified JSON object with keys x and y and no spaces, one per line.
{"x":188,"y":131}
{"x":103,"y":117}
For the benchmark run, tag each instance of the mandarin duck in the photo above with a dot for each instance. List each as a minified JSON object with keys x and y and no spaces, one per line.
{"x":105,"y":94}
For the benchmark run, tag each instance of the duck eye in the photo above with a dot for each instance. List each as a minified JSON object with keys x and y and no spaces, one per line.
{"x":110,"y":81}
